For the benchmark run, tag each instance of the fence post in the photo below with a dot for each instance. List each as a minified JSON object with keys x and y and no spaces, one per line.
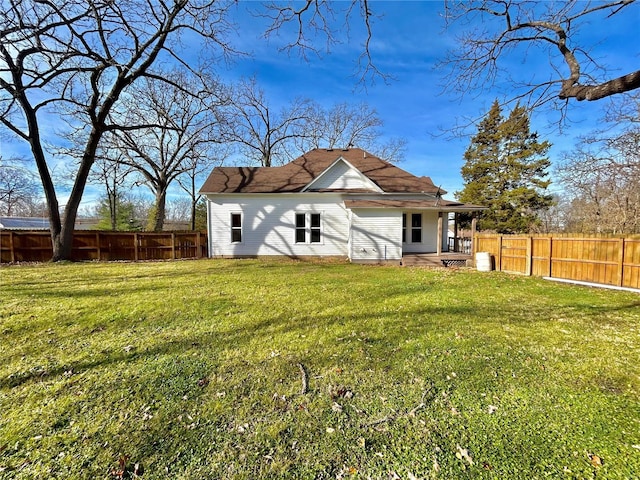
{"x":499,"y":259}
{"x":173,"y":245}
{"x":98,"y":246}
{"x":135,"y":246}
{"x":13,"y":252}
{"x":198,"y":245}
{"x":550,"y":255}
{"x":620,"y":278}
{"x":529,"y":260}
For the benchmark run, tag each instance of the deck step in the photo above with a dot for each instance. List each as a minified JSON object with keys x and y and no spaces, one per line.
{"x":433,"y":260}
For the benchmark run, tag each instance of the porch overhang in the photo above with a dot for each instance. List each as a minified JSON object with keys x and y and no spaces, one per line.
{"x":438,"y":205}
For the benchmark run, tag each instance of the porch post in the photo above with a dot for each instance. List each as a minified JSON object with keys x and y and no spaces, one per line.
{"x":439,"y":242}
{"x":474,"y":221}
{"x":456,"y":247}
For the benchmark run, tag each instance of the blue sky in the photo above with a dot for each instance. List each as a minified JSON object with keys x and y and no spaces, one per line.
{"x":408,"y":41}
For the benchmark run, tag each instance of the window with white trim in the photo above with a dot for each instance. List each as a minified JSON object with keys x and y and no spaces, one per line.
{"x":308,"y":228}
{"x":315,"y":228}
{"x":416,"y":227}
{"x":404,"y":228}
{"x":301,"y":228}
{"x":236,"y":227}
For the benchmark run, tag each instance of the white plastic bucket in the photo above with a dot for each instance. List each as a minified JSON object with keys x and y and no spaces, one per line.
{"x":483,"y":262}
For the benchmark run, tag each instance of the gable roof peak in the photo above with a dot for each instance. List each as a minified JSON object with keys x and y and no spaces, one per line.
{"x":296,"y":175}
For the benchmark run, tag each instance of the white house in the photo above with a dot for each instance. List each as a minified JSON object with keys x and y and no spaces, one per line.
{"x":328,"y":202}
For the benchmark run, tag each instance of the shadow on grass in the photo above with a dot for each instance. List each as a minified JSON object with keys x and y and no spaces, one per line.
{"x":391,"y":328}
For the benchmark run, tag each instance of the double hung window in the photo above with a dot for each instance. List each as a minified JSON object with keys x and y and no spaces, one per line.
{"x":416,"y":227}
{"x":315,"y":228}
{"x":236,"y":227}
{"x":308,"y":226}
{"x":301,"y":228}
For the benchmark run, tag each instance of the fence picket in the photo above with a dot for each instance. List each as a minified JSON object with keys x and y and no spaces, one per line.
{"x":596,"y":259}
{"x":35,"y":246}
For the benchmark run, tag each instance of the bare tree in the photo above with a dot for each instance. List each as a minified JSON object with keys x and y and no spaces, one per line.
{"x":110,"y":172}
{"x":262,"y":134}
{"x":602,"y":180}
{"x":18,"y":187}
{"x":78,"y":58}
{"x":194,"y":168}
{"x":392,"y":150}
{"x":178,"y":209}
{"x":344,"y":125}
{"x":313,"y":19}
{"x":179,"y":133}
{"x":347,"y":125}
{"x":555,"y":218}
{"x":271,"y":138}
{"x":496,"y":31}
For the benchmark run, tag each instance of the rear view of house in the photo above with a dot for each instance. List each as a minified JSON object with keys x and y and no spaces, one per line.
{"x":327,"y":203}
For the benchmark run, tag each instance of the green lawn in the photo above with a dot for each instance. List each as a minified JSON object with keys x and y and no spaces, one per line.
{"x":196,"y":370}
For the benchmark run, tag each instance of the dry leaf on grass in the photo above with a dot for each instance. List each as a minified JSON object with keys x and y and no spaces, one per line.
{"x":463,"y":454}
{"x":596,"y":461}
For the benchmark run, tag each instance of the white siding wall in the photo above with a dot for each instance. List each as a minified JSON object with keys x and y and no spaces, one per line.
{"x":429,"y":233}
{"x":268,"y":225}
{"x":376,"y":235}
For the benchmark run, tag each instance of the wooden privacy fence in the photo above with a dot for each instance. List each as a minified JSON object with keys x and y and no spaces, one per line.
{"x":606,"y":260}
{"x":35,"y":246}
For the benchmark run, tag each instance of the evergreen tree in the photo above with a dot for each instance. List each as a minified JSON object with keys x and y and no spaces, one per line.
{"x":201,"y":215}
{"x":116,"y":214}
{"x":505,"y":170}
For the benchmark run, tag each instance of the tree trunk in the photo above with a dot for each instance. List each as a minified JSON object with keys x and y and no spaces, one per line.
{"x":112,"y":210}
{"x":63,"y":242}
{"x":194,"y":201}
{"x":193,"y":213}
{"x":43,"y":170}
{"x":156,"y":219}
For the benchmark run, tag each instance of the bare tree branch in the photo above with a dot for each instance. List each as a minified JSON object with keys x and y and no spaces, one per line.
{"x":313,"y":19}
{"x":181,"y":130}
{"x":510,"y":27}
{"x":82,"y":57}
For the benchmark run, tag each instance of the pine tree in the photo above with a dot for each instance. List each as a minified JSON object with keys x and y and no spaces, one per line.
{"x":116,"y":214}
{"x":505,"y":170}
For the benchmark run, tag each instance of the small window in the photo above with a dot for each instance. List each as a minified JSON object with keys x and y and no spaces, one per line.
{"x":236,"y":227}
{"x":416,"y":227}
{"x":315,"y":228}
{"x":301,"y":228}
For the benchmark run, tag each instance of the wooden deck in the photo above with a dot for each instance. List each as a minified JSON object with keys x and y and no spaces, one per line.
{"x":445,"y":259}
